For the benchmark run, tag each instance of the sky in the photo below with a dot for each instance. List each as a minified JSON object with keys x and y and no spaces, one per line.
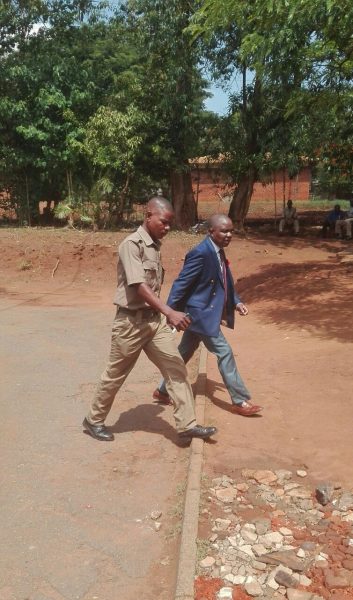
{"x":219,"y":101}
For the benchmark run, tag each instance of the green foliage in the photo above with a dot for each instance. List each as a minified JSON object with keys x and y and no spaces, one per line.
{"x":297,"y":101}
{"x":114,"y":138}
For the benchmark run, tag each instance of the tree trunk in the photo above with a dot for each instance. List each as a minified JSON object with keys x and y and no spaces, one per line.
{"x":183,"y":199}
{"x":241,"y":198}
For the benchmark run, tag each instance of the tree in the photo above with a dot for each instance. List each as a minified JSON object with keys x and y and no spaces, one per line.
{"x":296,"y":55}
{"x":172,"y":93}
{"x":113,"y":141}
{"x":53,"y":79}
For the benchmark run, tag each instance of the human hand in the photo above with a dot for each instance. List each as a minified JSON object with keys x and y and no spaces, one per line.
{"x":241,"y":309}
{"x":178,"y":320}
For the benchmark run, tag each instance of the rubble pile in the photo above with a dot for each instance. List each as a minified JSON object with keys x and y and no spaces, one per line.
{"x":271,"y":536}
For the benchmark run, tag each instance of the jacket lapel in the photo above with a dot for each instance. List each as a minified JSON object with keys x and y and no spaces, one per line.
{"x":214,"y":258}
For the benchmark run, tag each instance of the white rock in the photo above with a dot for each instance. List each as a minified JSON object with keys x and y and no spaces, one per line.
{"x":283,"y":474}
{"x":259,"y":566}
{"x":226,"y":495}
{"x":156,"y":514}
{"x":248,"y":536}
{"x":233,"y":540}
{"x":293,"y":594}
{"x":242,"y":487}
{"x":262,"y":526}
{"x":247,"y":549}
{"x":273,"y":537}
{"x":285,"y":531}
{"x":253,"y":588}
{"x":225,"y":569}
{"x":301,"y":553}
{"x":229,"y":577}
{"x":207,"y":562}
{"x":262,"y":578}
{"x":264,"y":476}
{"x":348,"y":518}
{"x":238,"y":579}
{"x":225,"y":593}
{"x":222,"y":524}
{"x":300,"y":493}
{"x":291,"y":486}
{"x":301,"y":473}
{"x":259,"y":549}
{"x":272,"y":584}
{"x":157,"y":525}
{"x":321,"y":563}
{"x":304,"y":580}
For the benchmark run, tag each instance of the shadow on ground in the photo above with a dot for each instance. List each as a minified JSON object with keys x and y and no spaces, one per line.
{"x":147,"y":417}
{"x":308,"y":296}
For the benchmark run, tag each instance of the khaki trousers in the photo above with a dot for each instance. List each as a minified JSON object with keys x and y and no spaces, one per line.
{"x":131,"y":335}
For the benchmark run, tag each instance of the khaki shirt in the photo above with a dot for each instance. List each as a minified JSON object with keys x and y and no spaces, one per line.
{"x":139,"y":262}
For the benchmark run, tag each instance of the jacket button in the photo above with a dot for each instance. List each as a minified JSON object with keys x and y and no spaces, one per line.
{"x":214,"y":293}
{"x":211,"y":306}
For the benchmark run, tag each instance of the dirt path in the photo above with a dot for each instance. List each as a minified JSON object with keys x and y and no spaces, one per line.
{"x":293,"y":352}
{"x":78,"y":512}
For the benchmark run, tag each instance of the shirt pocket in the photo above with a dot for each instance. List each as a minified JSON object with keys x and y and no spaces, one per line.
{"x":151,"y":272}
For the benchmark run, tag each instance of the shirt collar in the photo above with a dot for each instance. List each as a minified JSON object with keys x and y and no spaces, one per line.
{"x":147,"y":238}
{"x":217,"y":248}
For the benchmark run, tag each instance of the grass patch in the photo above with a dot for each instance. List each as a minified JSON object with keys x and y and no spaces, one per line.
{"x":25,"y":265}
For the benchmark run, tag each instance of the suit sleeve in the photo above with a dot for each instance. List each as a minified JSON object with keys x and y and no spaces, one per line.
{"x":236,"y":298}
{"x":186,"y":280}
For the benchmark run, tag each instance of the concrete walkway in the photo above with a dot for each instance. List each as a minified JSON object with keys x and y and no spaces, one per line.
{"x":76,"y":512}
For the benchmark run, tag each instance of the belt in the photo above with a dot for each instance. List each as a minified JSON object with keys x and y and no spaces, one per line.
{"x":143,"y":313}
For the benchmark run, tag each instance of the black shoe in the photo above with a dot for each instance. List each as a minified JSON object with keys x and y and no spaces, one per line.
{"x":198,"y":432}
{"x":100,"y":432}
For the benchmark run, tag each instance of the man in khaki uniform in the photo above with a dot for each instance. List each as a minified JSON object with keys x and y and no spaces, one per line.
{"x":143,"y":322}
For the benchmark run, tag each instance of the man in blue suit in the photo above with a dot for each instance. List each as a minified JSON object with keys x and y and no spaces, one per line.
{"x":205,"y":290}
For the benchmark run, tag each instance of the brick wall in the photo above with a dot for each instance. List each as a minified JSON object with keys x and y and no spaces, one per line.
{"x":209,"y":184}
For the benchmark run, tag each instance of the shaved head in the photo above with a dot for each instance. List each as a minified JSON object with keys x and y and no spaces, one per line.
{"x":159,"y":217}
{"x":158,"y":203}
{"x":217,"y":220}
{"x":220,"y":229}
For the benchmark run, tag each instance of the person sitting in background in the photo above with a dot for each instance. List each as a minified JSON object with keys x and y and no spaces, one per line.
{"x":345,"y":224}
{"x":289,"y":218}
{"x":331,"y":219}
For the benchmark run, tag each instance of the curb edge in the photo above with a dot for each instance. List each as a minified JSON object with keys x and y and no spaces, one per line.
{"x":188,"y":550}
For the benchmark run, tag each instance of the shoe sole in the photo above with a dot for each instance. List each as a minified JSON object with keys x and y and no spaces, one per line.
{"x":199,"y":437}
{"x":250,"y":414}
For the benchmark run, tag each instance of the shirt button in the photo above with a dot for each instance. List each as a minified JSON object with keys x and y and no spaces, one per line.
{"x":214,"y":293}
{"x":211,"y":306}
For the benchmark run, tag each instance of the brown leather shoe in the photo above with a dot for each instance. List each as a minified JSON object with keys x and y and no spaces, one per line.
{"x":161,"y":397}
{"x":246,"y":409}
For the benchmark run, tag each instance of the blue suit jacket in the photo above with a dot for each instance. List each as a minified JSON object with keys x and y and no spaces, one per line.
{"x":199,"y":291}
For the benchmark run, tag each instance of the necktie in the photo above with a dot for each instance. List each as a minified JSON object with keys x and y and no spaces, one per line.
{"x":224,"y":272}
